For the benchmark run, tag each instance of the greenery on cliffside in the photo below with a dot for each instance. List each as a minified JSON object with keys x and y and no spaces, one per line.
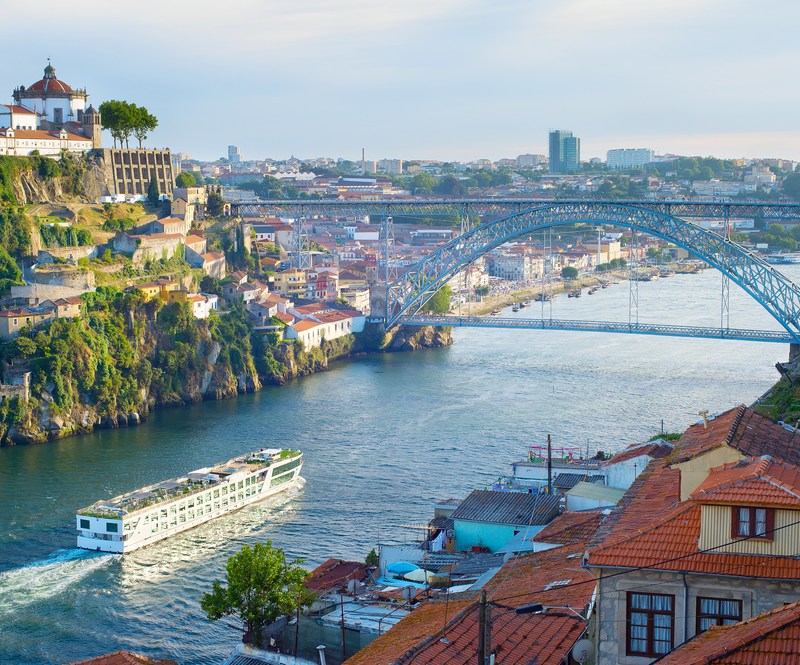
{"x":126,"y":354}
{"x":782,"y":402}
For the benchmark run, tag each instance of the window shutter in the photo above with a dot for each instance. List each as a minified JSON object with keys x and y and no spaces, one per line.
{"x":770,"y":523}
{"x":734,"y":522}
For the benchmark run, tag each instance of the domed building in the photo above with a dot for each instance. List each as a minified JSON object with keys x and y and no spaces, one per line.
{"x":48,"y":118}
{"x":55,"y":101}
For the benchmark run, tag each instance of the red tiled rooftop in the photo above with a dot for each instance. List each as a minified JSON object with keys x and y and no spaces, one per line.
{"x":571,"y":527}
{"x":654,"y":449}
{"x":409,"y":632}
{"x":671,"y":544}
{"x":334,"y":573}
{"x":745,"y":430}
{"x":754,"y":480}
{"x":124,"y":658}
{"x":655,"y":492}
{"x":772,"y":638}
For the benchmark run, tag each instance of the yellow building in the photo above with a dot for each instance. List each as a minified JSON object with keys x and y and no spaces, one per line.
{"x":290,"y":283}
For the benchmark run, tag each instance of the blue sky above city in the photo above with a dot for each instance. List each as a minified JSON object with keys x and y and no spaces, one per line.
{"x":448,"y":79}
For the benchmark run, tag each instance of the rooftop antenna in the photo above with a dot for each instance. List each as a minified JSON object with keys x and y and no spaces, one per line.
{"x":704,"y":413}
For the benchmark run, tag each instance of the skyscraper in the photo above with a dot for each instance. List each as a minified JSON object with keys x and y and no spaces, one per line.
{"x":565,"y":152}
{"x":234,"y":156}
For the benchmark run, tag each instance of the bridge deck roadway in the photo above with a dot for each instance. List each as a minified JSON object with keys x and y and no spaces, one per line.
{"x":502,"y":207}
{"x":741,"y":334}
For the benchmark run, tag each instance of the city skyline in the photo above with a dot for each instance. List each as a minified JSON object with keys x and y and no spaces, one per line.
{"x":455,"y":80}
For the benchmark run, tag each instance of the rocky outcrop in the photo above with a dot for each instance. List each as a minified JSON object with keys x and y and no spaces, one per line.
{"x":40,"y":421}
{"x":408,"y":338}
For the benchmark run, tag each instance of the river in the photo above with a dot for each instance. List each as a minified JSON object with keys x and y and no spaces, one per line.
{"x":384,"y":436}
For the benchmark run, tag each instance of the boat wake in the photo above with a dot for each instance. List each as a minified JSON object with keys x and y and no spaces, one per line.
{"x":47,"y":578}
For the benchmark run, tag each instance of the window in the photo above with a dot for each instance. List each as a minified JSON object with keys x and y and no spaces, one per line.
{"x":717,"y":612}
{"x":84,"y":524}
{"x":650,"y":623}
{"x":752,"y":522}
{"x":112,"y":527}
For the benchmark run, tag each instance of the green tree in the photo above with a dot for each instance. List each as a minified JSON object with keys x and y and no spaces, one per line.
{"x":185,"y":179}
{"x":142,"y":122}
{"x":372,"y":559}
{"x":215,"y":204}
{"x":791,"y":186}
{"x":260,"y":586}
{"x":119,"y":119}
{"x":569,"y":272}
{"x":152,"y":191}
{"x":440,"y":302}
{"x":422,"y":183}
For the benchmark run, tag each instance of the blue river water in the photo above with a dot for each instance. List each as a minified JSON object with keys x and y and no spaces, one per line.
{"x":384,"y":436}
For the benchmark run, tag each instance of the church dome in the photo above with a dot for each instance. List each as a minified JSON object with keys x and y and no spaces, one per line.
{"x":50,"y":82}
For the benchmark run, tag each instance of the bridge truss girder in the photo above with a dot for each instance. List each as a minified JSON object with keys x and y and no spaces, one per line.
{"x":771,"y":289}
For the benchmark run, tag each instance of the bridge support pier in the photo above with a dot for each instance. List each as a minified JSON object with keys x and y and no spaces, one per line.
{"x":794,"y":351}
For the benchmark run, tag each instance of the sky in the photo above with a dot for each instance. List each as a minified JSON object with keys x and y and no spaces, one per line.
{"x":427,"y":79}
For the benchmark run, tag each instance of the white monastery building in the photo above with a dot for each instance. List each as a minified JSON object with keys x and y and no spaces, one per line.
{"x":49,"y":117}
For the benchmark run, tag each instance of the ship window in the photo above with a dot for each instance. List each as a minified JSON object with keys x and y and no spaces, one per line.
{"x":84,"y":524}
{"x":112,"y":527}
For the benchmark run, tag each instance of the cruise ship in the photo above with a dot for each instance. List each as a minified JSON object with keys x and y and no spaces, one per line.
{"x":130,"y":521}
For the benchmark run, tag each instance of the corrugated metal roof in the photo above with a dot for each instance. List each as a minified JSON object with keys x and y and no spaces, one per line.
{"x":565,"y":481}
{"x":593,"y":491}
{"x":518,"y":508}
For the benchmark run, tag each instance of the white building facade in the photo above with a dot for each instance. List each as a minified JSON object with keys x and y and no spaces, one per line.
{"x":629,"y":158}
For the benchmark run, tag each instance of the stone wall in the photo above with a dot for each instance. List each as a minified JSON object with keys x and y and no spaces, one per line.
{"x":756,"y":595}
{"x":129,"y":172}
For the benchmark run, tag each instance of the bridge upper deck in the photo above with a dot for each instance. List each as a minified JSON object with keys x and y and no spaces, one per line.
{"x":776,"y":212}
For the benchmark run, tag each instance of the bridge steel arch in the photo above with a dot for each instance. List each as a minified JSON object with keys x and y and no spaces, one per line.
{"x":775,"y":292}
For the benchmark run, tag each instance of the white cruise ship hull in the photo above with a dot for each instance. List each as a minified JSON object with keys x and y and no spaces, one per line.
{"x":98,"y":531}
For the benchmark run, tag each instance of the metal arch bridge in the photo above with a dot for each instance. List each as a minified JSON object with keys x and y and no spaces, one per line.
{"x":491,"y":207}
{"x":770,"y":288}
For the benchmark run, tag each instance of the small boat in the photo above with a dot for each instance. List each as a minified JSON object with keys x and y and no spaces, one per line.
{"x":495,"y":312}
{"x":571,"y":294}
{"x":515,"y":308}
{"x":524,"y":304}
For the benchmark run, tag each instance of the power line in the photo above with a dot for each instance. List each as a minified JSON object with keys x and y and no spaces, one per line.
{"x":658,"y":563}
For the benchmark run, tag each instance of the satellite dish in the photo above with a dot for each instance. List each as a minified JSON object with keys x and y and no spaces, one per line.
{"x":583,"y":650}
{"x":409,"y":592}
{"x":352,"y":586}
{"x":450,"y":533}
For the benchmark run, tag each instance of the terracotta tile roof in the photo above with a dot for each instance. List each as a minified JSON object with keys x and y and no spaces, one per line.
{"x":526,"y":578}
{"x":414,"y":628}
{"x":654,"y":449}
{"x":42,"y":134}
{"x":305,"y":324}
{"x":517,"y":639}
{"x":507,"y":508}
{"x":745,"y":430}
{"x":753,"y":480}
{"x":125,"y":658}
{"x":213,"y":256}
{"x":671,"y":544}
{"x":772,"y":638}
{"x":288,"y":319}
{"x":335,"y":573}
{"x":571,"y":527}
{"x":655,"y":492}
{"x":14,"y":108}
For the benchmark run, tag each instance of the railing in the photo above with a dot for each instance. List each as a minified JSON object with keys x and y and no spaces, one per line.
{"x":741,"y":334}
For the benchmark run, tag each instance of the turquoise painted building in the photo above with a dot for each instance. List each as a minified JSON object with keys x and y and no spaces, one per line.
{"x":488,"y":520}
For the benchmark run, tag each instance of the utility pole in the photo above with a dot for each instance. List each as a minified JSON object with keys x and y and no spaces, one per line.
{"x":482,"y":629}
{"x":549,"y":465}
